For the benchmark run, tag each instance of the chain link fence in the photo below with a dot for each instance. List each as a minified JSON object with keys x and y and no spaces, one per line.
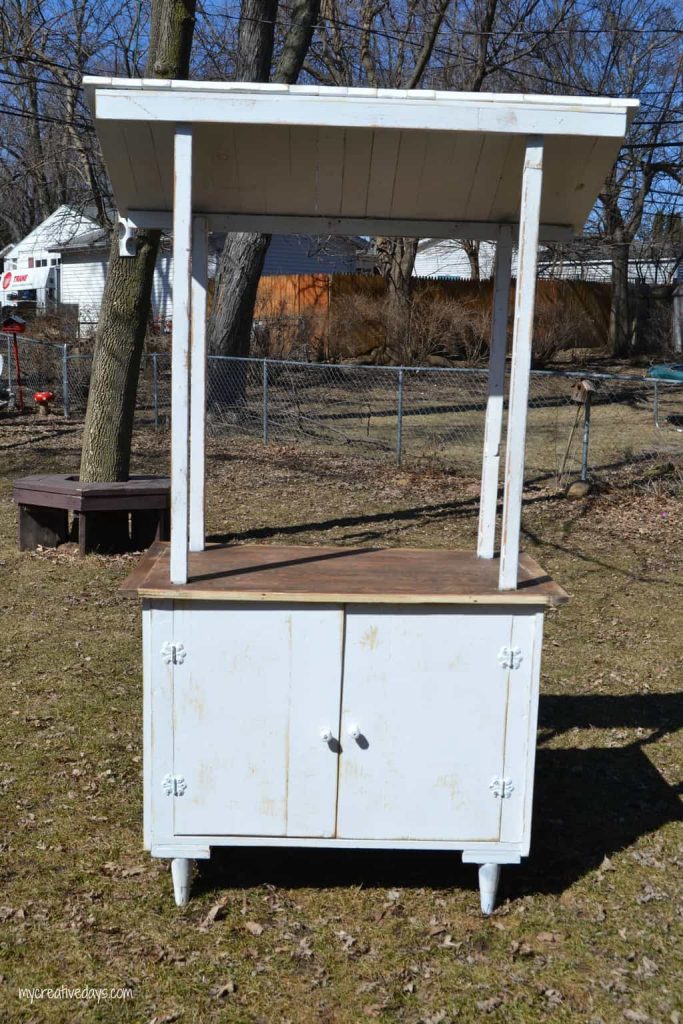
{"x":405,"y":414}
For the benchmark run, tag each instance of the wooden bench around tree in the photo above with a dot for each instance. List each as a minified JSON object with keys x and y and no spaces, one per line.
{"x":109,"y":517}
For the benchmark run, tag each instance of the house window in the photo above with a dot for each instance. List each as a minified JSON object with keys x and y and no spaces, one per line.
{"x":54,"y":262}
{"x":41,"y":263}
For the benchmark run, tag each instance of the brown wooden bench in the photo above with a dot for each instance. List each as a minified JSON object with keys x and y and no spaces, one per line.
{"x":110,"y":517}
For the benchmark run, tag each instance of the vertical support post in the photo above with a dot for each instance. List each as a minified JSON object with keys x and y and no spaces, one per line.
{"x":586,"y":435}
{"x":655,"y":405}
{"x":155,"y":388}
{"x":9,"y":362}
{"x":493,"y":428}
{"x":200,"y":276}
{"x":530,"y":209}
{"x":265,"y":401}
{"x":182,"y":242}
{"x":399,"y":418}
{"x":65,"y":381}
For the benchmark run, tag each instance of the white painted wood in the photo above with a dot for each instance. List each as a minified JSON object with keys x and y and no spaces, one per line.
{"x":520,"y":747}
{"x":428,"y":694}
{"x":147,"y":720}
{"x":182,"y":244}
{"x":198,"y":847}
{"x":181,"y":872}
{"x":200,"y":275}
{"x":315,"y":225}
{"x":406,"y":110}
{"x":493,"y":428}
{"x":489,"y":876}
{"x":159,"y":726}
{"x":255,"y":690}
{"x":532,"y":181}
{"x":343,"y":145}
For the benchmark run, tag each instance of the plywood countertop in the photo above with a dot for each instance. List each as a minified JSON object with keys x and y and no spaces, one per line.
{"x":326,"y":575}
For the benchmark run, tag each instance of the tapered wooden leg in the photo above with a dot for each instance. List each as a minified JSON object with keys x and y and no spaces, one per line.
{"x":181,"y":872}
{"x":489,"y":874}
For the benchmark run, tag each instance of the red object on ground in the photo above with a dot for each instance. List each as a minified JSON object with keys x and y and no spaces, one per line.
{"x":44,"y":397}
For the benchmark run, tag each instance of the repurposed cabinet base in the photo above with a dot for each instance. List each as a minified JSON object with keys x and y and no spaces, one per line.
{"x":332,"y":717}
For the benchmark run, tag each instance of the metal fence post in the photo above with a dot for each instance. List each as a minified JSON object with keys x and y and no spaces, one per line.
{"x":399,"y":418}
{"x":265,"y":401}
{"x":155,"y":389}
{"x":65,"y":380}
{"x":586,"y":435}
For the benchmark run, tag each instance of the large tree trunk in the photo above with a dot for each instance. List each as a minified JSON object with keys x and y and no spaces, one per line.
{"x":120,"y":338}
{"x":241,"y":262}
{"x":620,"y":311}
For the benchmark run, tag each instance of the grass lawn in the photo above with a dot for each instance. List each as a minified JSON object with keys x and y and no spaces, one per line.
{"x":588,"y":928}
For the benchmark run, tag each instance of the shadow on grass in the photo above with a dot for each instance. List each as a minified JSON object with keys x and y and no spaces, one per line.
{"x":589,"y":803}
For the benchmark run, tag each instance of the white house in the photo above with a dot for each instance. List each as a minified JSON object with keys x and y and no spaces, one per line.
{"x":85,"y":258}
{"x":31,"y":266}
{"x":84,"y":262}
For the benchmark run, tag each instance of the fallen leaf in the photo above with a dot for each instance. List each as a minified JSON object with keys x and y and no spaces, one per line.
{"x":217,"y":911}
{"x":550,"y":937}
{"x":225,"y":990}
{"x":489,"y":1005}
{"x":254,"y":928}
{"x":637,"y":1016}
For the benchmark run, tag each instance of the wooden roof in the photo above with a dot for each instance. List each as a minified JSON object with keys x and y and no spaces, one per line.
{"x":264,"y":151}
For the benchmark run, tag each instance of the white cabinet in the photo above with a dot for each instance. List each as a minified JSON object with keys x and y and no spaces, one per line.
{"x":350,"y":725}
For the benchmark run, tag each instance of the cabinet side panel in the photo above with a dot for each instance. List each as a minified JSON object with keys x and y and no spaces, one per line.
{"x":147,"y":724}
{"x":520,"y":745}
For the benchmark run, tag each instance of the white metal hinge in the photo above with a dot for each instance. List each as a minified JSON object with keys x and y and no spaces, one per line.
{"x":510,"y":657}
{"x":501,"y":787}
{"x":173,"y":785}
{"x":173,"y":654}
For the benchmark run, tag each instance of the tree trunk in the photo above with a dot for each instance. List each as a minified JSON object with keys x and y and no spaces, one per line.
{"x":241,"y":262}
{"x":126,"y":302}
{"x":620,"y":314}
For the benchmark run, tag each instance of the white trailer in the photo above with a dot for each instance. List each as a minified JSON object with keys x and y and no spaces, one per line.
{"x":303,"y":696}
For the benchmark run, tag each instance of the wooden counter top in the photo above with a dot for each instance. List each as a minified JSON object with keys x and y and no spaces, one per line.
{"x":264,"y":572}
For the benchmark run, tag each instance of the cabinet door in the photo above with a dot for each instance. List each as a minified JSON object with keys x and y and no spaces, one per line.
{"x":258,"y":686}
{"x":426,"y":694}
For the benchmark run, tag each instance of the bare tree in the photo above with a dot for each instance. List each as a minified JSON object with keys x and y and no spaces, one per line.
{"x":126,"y":301}
{"x":243,"y":255}
{"x":629,"y":48}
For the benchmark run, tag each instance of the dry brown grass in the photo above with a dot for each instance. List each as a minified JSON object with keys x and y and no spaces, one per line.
{"x":589,"y":927}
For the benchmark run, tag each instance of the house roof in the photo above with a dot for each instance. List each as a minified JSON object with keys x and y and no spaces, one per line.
{"x":264,"y":151}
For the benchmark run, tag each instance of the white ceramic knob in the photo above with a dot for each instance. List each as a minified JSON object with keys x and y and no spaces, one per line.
{"x":326,"y":735}
{"x":355,"y":731}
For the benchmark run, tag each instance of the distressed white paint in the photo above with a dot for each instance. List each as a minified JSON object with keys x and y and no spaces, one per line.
{"x":380,"y":154}
{"x":180,"y":366}
{"x":429,"y":697}
{"x":316,"y":225}
{"x":200,"y":271}
{"x":489,"y":876}
{"x":250,"y":700}
{"x":493,"y":428}
{"x":181,"y":872}
{"x":521,"y":362}
{"x":436,"y":717}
